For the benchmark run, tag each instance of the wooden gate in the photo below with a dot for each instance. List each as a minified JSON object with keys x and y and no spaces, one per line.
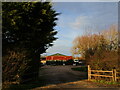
{"x":114,"y":75}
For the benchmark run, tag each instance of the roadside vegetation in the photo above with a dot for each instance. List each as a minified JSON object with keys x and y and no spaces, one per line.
{"x":107,"y":82}
{"x":82,"y":69}
{"x":27,"y":31}
{"x":100,"y":50}
{"x":30,"y":85}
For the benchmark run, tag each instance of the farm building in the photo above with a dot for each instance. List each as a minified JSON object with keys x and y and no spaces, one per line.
{"x":58,"y":57}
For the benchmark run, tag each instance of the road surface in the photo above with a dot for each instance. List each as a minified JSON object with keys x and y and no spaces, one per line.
{"x":60,"y":74}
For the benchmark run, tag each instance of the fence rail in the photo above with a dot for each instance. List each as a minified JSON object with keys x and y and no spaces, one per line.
{"x":114,"y":74}
{"x":100,"y":71}
{"x":118,"y":72}
{"x":101,"y":75}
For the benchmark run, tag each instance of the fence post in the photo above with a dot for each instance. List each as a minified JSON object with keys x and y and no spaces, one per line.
{"x":114,"y":74}
{"x":89,"y":72}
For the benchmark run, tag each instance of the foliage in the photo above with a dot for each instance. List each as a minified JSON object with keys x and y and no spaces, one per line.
{"x":54,"y":62}
{"x":16,"y":65}
{"x":27,"y":27}
{"x":100,"y":50}
{"x":69,"y":62}
{"x":26,"y":86}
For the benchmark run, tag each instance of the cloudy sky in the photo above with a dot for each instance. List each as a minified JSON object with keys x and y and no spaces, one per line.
{"x":77,"y":17}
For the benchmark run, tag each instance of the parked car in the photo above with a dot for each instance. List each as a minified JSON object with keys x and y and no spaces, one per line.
{"x":79,"y":62}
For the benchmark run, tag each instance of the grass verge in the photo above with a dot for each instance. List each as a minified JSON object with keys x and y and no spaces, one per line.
{"x":107,"y":82}
{"x":82,"y":69}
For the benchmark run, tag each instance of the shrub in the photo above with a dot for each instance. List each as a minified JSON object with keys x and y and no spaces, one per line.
{"x":14,"y":65}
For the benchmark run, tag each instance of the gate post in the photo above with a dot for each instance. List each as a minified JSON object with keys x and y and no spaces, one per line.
{"x":89,"y":72}
{"x":114,"y":74}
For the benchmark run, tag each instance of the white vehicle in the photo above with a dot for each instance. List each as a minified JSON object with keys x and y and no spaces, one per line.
{"x":64,"y":64}
{"x":76,"y":60}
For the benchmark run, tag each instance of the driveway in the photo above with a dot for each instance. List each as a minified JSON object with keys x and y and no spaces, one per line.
{"x":60,"y":74}
{"x":62,"y":77}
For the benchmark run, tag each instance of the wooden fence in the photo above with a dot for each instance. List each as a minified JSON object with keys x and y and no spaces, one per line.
{"x":115,"y":76}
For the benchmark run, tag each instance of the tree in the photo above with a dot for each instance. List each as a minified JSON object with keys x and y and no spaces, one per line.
{"x":100,"y":50}
{"x":111,"y":36}
{"x":87,"y":44}
{"x":29,"y":26}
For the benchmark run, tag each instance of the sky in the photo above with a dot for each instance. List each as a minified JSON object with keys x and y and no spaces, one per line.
{"x":78,"y":17}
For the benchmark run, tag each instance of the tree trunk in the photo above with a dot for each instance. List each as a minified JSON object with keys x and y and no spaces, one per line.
{"x":32,"y":72}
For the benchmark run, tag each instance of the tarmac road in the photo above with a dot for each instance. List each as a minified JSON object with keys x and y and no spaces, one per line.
{"x":60,"y":74}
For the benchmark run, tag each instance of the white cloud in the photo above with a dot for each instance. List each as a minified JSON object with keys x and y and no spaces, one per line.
{"x":92,"y":23}
{"x":80,"y":22}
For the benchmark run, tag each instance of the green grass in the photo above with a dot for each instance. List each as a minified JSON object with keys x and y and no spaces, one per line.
{"x":107,"y":82}
{"x":82,"y":69}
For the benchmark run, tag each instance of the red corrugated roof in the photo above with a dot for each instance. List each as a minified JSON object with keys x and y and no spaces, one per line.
{"x":58,"y":57}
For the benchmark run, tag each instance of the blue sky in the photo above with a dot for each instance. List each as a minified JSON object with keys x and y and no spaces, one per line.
{"x":78,"y":17}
